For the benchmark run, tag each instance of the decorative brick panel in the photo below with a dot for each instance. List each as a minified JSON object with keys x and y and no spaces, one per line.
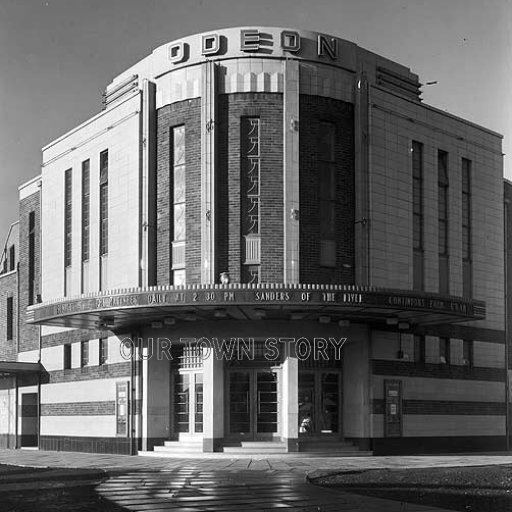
{"x":29,"y":334}
{"x":186,"y":112}
{"x":8,"y":288}
{"x":313,"y":111}
{"x":231,"y":108}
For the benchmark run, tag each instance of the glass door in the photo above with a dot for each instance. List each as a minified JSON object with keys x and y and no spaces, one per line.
{"x":319,"y":403}
{"x":188,"y":403}
{"x":253,"y":404}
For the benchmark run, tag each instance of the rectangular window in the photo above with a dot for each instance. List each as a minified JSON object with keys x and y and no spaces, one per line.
{"x":250,"y":197}
{"x":104,"y":203}
{"x":419,"y":349}
{"x":86,"y":191}
{"x":31,"y":257}
{"x":84,"y":353}
{"x":10,"y":318}
{"x":466,"y":229}
{"x":442,"y":194}
{"x":327,"y":194}
{"x":417,"y":213}
{"x":67,"y":356}
{"x":179,"y":213}
{"x":103,"y":350}
{"x":12,"y":258}
{"x":467,"y":352}
{"x":444,"y":350}
{"x":68,"y":207}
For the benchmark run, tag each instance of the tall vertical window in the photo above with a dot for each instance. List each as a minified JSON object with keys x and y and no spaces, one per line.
{"x":12,"y":258}
{"x":67,"y":356}
{"x":180,"y":227}
{"x":444,"y":350}
{"x":86,"y":191}
{"x":68,"y":234}
{"x":419,"y":349}
{"x":104,"y":203}
{"x":84,"y":353}
{"x":103,"y":350}
{"x":467,"y":352}
{"x":31,"y":256}
{"x":10,"y":318}
{"x":327,"y":195}
{"x":442,"y":194}
{"x":466,"y":228}
{"x":250,"y":198}
{"x":417,"y":212}
{"x":103,"y":218}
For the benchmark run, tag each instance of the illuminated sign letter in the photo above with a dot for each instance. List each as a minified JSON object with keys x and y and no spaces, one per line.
{"x":178,"y":52}
{"x":211,"y":44}
{"x":290,"y":41}
{"x":326,"y":47}
{"x":249,"y":40}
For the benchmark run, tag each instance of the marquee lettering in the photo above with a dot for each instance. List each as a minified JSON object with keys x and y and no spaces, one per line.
{"x":252,"y":40}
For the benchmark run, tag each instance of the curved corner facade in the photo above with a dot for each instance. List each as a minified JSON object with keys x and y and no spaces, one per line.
{"x":264,"y":241}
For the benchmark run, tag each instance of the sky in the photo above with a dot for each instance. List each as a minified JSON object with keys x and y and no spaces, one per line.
{"x":57,"y":56}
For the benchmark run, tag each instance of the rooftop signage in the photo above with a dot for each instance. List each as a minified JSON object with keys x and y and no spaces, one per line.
{"x":260,"y":296}
{"x":254,"y":41}
{"x":244,"y":42}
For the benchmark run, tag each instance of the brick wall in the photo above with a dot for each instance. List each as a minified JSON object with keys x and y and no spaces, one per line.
{"x":508,"y":264}
{"x":29,"y":334}
{"x":269,"y":108}
{"x":314,"y":110}
{"x":186,"y":112}
{"x":8,"y":288}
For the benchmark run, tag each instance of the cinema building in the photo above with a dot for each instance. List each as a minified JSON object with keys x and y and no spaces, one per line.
{"x":282,"y":190}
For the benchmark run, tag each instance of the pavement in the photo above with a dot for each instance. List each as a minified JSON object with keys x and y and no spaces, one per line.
{"x":209,"y":484}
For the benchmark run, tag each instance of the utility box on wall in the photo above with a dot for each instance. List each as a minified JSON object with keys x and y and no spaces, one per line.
{"x":393,"y":410}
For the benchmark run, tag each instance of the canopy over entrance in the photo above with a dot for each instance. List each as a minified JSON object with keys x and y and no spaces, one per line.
{"x":120,"y":309}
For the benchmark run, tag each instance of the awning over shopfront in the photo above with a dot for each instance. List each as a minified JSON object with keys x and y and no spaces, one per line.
{"x":11,"y":368}
{"x":117,"y":310}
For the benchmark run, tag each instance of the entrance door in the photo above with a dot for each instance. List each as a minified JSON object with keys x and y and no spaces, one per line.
{"x":319,"y":403}
{"x":252,"y":404}
{"x":188,"y":403}
{"x":29,"y":420}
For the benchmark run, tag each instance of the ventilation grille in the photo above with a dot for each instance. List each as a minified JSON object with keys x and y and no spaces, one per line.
{"x":398,"y":83}
{"x":118,"y":91}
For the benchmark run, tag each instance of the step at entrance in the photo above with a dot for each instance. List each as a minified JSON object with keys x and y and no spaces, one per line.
{"x":255,"y":447}
{"x":184,"y":446}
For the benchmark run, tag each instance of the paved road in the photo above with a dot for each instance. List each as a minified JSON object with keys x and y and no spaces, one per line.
{"x":194,"y":485}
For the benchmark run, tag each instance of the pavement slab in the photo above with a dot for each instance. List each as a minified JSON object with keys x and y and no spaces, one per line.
{"x":223,"y":484}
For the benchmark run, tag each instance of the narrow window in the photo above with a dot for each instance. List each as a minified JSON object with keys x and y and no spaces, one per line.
{"x":179,"y":217}
{"x":67,"y":356}
{"x":103,"y":218}
{"x":466,"y":229}
{"x":442,"y":194}
{"x":444,"y":350}
{"x":417,"y":211}
{"x":10,"y":318}
{"x":104,"y":203}
{"x":86,"y":190}
{"x":419,"y":349}
{"x":327,"y":196}
{"x":84,"y":353}
{"x":467,"y":352}
{"x":68,"y":235}
{"x":31,"y":257}
{"x":12,"y":258}
{"x":103,"y":350}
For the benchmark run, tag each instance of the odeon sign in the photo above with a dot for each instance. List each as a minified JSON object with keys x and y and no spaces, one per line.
{"x":253,"y":41}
